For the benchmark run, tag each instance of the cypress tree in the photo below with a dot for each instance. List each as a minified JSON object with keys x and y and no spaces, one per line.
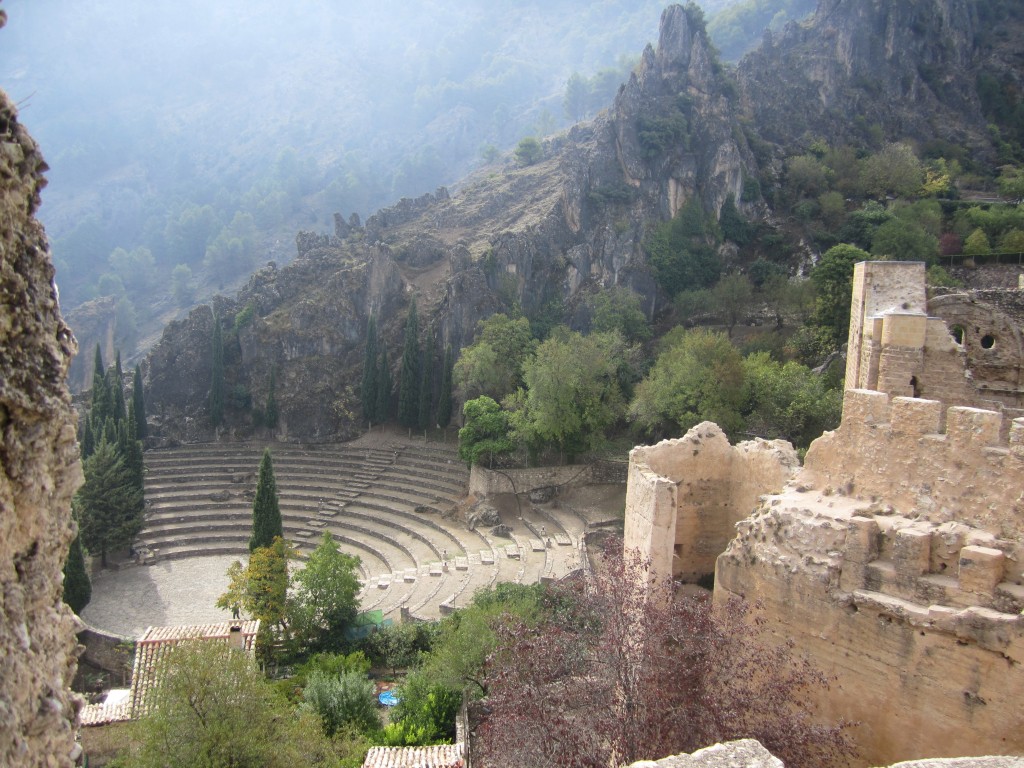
{"x":140,"y":406}
{"x":382,"y":409}
{"x":131,"y":448}
{"x":266,"y":512}
{"x":77,"y":587}
{"x":88,"y":442}
{"x":371,"y":372}
{"x":116,"y":383}
{"x":270,"y":412}
{"x":426,"y":383}
{"x":408,"y":387}
{"x":217,"y":377}
{"x":100,"y":404}
{"x":444,"y":401}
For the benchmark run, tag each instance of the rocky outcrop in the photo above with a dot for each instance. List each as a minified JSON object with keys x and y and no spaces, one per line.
{"x":39,"y":472}
{"x":533,"y":237}
{"x":907,"y":69}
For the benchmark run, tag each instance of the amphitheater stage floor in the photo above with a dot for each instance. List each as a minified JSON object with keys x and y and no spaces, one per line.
{"x":166,"y":593}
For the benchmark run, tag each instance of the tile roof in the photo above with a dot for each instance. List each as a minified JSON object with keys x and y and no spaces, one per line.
{"x":101,"y":714}
{"x":439,"y":756}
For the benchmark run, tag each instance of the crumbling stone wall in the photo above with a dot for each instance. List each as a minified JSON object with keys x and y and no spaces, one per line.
{"x":685,"y":496}
{"x":39,"y":472}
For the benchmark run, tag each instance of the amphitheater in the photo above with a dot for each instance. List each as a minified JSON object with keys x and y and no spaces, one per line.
{"x":397,"y":503}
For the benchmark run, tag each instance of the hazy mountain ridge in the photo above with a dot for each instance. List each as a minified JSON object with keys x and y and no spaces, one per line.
{"x":542,"y":236}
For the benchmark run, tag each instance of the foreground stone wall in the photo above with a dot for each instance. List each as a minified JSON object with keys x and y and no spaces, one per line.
{"x":39,"y":472}
{"x":685,"y":496}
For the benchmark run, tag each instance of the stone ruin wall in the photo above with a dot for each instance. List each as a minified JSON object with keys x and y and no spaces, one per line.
{"x":895,"y":558}
{"x":685,"y":496}
{"x":39,"y":472}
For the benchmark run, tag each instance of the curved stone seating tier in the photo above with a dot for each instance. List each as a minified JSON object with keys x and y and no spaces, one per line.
{"x":380,"y":503}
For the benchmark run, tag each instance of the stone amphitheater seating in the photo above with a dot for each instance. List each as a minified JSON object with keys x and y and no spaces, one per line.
{"x":387,"y":505}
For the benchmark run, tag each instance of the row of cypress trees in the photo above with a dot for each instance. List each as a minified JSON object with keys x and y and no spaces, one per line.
{"x":416,"y":404}
{"x":108,"y":508}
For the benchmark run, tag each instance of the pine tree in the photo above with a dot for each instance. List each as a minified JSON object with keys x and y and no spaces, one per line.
{"x":266,"y":511}
{"x":371,"y":372}
{"x":270,"y":412}
{"x":217,"y":377}
{"x":408,"y":387}
{"x":426,"y":383}
{"x":140,"y":406}
{"x":109,"y":503}
{"x":444,"y":400}
{"x":77,"y":587}
{"x":383,"y":406}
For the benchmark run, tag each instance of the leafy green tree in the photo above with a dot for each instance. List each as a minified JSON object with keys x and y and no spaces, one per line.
{"x":109,"y":503}
{"x":371,"y":372}
{"x":680,"y":254}
{"x":895,"y":170}
{"x":425,"y":713}
{"x":340,"y":700}
{"x":486,"y":432}
{"x":394,"y":646}
{"x":904,"y":241}
{"x":575,"y":98}
{"x":618,"y":309}
{"x":788,"y":401}
{"x":137,"y":268}
{"x":409,"y":385}
{"x":573,"y":391}
{"x":977,"y":244}
{"x":325,"y":597}
{"x":260,"y":588}
{"x":1011,"y":183}
{"x":182,"y":287}
{"x":270,"y":412}
{"x":1012,"y":241}
{"x":493,"y":364}
{"x":217,"y":376}
{"x":139,"y":405}
{"x":806,"y":176}
{"x":732,"y":297}
{"x":697,"y":377}
{"x":77,"y":587}
{"x":214,"y":707}
{"x":833,"y":280}
{"x":266,"y":511}
{"x":444,"y":401}
{"x":529,"y":151}
{"x":734,"y":227}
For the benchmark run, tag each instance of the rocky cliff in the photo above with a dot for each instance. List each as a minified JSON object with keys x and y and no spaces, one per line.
{"x":542,"y":237}
{"x":39,"y":471}
{"x":535,"y":237}
{"x":901,"y":70}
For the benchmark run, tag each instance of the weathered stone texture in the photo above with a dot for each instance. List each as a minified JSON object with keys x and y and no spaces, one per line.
{"x":39,"y":472}
{"x":684,"y":497}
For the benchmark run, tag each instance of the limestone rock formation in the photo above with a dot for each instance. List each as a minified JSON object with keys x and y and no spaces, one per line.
{"x":907,"y":68}
{"x":535,"y":237}
{"x":39,"y":472}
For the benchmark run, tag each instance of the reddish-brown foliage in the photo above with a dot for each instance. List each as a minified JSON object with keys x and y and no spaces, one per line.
{"x":624,"y":671}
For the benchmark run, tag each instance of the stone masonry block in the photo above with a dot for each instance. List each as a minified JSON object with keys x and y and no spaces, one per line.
{"x":864,"y":406}
{"x":972,"y":427}
{"x":861,"y":548}
{"x":1017,"y":438}
{"x":904,"y":330}
{"x":911,"y":553}
{"x":914,"y":416}
{"x":981,"y":568}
